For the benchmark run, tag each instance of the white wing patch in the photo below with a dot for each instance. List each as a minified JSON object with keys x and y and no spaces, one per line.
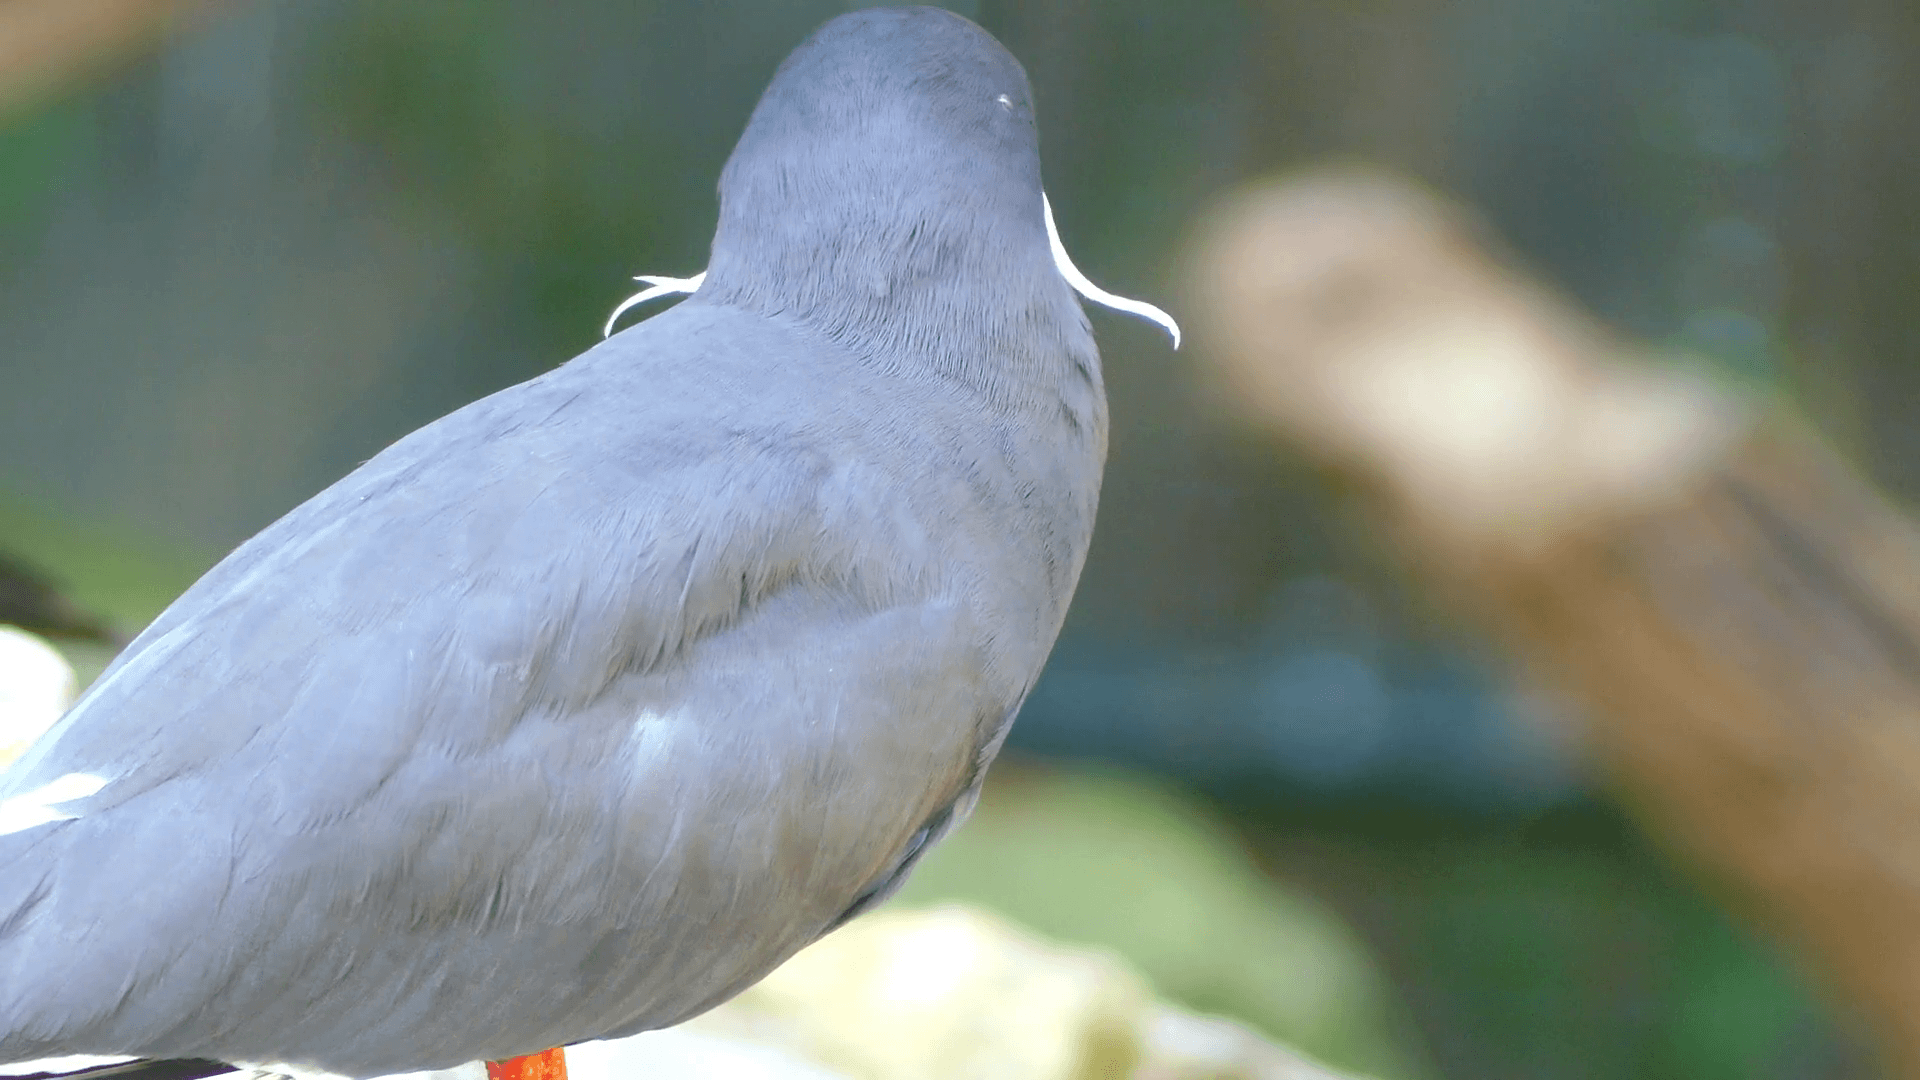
{"x":69,"y":1063}
{"x":37,"y":807}
{"x":472,"y":1070}
{"x":669,"y":286}
{"x":656,"y":288}
{"x":653,"y":737}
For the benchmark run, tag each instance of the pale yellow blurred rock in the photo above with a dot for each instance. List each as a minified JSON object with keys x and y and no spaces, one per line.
{"x":953,"y":993}
{"x":682,"y":1053}
{"x":1183,"y":1046}
{"x":947,"y":994}
{"x":36,"y":686}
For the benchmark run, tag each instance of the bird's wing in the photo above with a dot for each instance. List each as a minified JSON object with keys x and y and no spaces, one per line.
{"x":525,"y":727}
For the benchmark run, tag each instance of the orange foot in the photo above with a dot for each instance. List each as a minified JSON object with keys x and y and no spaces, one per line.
{"x":546,"y":1065}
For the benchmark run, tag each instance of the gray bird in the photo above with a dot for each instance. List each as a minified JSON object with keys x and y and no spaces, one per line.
{"x":575,"y":712}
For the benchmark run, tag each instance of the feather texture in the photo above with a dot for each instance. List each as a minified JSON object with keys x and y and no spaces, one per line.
{"x":578,"y":710}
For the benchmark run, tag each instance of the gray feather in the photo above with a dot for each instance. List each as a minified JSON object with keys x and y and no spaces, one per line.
{"x":577,"y":711}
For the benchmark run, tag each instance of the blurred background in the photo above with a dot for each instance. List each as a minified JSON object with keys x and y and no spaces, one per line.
{"x":243,"y":246}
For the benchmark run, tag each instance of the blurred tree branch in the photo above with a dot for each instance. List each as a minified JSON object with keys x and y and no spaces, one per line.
{"x":1739,"y":606}
{"x":46,"y":44}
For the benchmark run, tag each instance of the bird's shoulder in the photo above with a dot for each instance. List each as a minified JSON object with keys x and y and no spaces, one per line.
{"x":529,"y":548}
{"x":610,"y":645}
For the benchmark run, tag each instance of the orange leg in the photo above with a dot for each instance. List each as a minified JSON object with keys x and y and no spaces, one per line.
{"x":546,"y":1065}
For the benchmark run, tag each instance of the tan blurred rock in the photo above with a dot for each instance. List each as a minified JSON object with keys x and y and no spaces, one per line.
{"x":1366,"y":318}
{"x":36,"y":686}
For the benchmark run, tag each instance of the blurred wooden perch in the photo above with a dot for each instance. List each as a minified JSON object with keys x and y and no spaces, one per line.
{"x":45,"y":44}
{"x":1740,"y":608}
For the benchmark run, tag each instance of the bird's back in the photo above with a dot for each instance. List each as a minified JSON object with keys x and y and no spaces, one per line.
{"x":567,"y":715}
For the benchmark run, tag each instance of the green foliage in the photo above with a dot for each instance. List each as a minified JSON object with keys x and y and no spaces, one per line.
{"x":1566,"y":948}
{"x":38,"y":151}
{"x":122,"y":575}
{"x":430,"y":88}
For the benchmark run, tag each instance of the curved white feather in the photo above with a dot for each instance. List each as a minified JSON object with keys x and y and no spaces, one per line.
{"x":657,"y":287}
{"x":668,"y":286}
{"x":1094,"y":292}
